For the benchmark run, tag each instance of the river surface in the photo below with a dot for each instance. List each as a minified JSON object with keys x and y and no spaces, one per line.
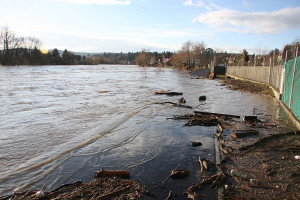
{"x":58,"y":124}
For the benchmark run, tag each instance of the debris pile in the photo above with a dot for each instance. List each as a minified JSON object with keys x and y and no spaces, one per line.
{"x":101,"y":188}
{"x":260,"y":160}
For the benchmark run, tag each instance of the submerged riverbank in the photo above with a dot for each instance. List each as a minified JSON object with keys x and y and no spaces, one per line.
{"x":84,"y":118}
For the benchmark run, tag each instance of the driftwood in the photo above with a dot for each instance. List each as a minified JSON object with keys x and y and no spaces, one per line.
{"x":178,"y":173}
{"x":100,"y":188}
{"x":170,"y":175}
{"x":200,"y":185}
{"x":243,"y":133}
{"x":250,"y":118}
{"x":220,"y":129}
{"x":201,"y":164}
{"x":169,"y":196}
{"x":68,"y":186}
{"x":114,"y":193}
{"x":220,"y":177}
{"x":269,"y":137}
{"x":217,"y":114}
{"x":168,"y":93}
{"x":205,"y":165}
{"x":102,"y":172}
{"x":175,"y":104}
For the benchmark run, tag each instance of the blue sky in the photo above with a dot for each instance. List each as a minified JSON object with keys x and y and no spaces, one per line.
{"x":157,"y":25}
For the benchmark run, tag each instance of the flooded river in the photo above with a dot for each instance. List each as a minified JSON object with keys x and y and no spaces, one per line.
{"x":58,"y":124}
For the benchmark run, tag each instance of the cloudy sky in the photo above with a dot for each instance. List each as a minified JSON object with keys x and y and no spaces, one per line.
{"x":158,"y":25}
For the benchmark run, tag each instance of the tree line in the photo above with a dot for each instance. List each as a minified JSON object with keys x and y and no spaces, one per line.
{"x":26,"y":51}
{"x":196,"y":55}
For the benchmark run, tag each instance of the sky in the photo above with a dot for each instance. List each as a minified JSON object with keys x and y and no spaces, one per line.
{"x":156,"y":25}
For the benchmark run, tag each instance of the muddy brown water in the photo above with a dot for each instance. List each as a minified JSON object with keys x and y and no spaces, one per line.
{"x":60,"y":123}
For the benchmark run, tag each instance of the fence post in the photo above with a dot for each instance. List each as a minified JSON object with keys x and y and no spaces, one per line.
{"x":286,"y":53}
{"x":293,"y":78}
{"x":270,"y":70}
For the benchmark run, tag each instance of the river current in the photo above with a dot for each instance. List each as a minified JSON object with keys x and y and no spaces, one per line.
{"x":58,"y":124}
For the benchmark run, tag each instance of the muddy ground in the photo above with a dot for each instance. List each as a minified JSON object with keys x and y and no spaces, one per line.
{"x":245,"y":86}
{"x":267,"y":169}
{"x":263,"y":166}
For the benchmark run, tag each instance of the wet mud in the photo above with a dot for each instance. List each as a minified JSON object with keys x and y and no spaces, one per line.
{"x":246,"y":86}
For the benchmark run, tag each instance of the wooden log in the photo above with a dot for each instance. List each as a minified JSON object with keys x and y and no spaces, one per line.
{"x":178,"y":173}
{"x":244,"y":133}
{"x":204,"y":182}
{"x":249,"y":118}
{"x":218,"y":114}
{"x":168,"y":93}
{"x":215,"y":183}
{"x":102,"y":172}
{"x":205,"y":165}
{"x":220,"y":128}
{"x":201,"y":164}
{"x":178,"y":105}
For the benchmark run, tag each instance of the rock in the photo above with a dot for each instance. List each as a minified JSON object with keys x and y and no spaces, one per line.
{"x":196,"y":144}
{"x":181,"y":100}
{"x":202,"y":98}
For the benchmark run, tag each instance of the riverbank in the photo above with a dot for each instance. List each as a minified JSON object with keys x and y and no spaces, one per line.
{"x":245,"y":86}
{"x":265,"y":166}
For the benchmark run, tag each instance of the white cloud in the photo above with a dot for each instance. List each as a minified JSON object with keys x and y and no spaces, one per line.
{"x":188,"y":3}
{"x":97,"y":2}
{"x":257,"y":22}
{"x":201,"y":4}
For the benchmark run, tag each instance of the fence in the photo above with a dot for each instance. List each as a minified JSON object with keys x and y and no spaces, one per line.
{"x":291,"y":86}
{"x":266,"y":74}
{"x":284,"y":78}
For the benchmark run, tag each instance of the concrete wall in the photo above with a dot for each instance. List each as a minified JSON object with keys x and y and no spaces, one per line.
{"x":271,"y":76}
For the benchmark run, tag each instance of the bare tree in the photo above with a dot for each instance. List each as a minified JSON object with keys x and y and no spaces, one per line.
{"x":199,"y":53}
{"x":187,"y":53}
{"x":143,"y":59}
{"x":32,"y":42}
{"x":8,"y":42}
